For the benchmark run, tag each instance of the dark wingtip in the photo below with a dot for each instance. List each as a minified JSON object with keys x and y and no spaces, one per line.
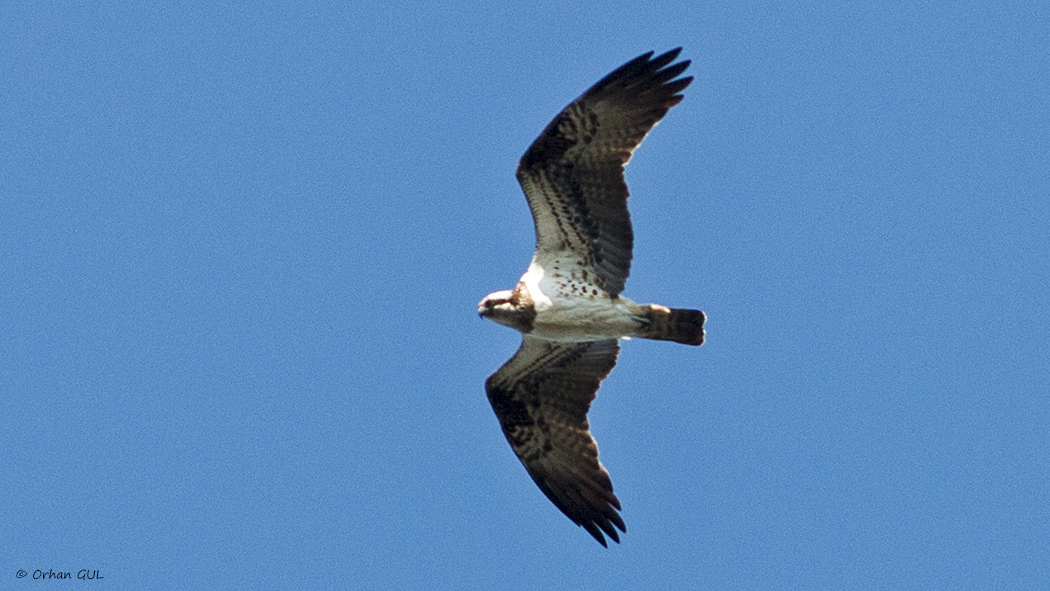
{"x":665,"y":58}
{"x":597,"y":534}
{"x":645,"y":66}
{"x":607,"y":524}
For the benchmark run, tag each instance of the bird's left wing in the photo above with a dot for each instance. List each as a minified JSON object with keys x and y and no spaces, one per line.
{"x":541,"y":397}
{"x":572,"y":175}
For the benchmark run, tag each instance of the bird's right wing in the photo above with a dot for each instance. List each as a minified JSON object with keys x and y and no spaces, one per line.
{"x":541,"y":397}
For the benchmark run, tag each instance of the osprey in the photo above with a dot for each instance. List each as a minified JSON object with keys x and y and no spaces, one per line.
{"x":567,"y":305}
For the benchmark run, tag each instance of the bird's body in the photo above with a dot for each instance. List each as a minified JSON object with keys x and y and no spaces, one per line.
{"x":568,"y":305}
{"x":567,"y":309}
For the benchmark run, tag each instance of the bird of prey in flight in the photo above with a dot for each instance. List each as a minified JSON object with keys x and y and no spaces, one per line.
{"x":567,"y":305}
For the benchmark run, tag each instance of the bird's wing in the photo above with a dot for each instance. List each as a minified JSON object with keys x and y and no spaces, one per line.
{"x":541,"y":397}
{"x":572,"y":174}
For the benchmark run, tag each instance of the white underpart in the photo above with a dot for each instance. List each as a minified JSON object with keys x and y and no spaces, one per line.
{"x":571,"y":309}
{"x":532,"y":279}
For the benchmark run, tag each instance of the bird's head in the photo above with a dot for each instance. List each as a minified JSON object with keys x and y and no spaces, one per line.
{"x":496,"y":303}
{"x":507,"y":308}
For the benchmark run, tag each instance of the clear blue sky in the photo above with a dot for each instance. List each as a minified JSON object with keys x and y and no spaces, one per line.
{"x":242,"y":245}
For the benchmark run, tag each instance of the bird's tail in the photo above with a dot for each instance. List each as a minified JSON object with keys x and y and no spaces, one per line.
{"x":673,"y":324}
